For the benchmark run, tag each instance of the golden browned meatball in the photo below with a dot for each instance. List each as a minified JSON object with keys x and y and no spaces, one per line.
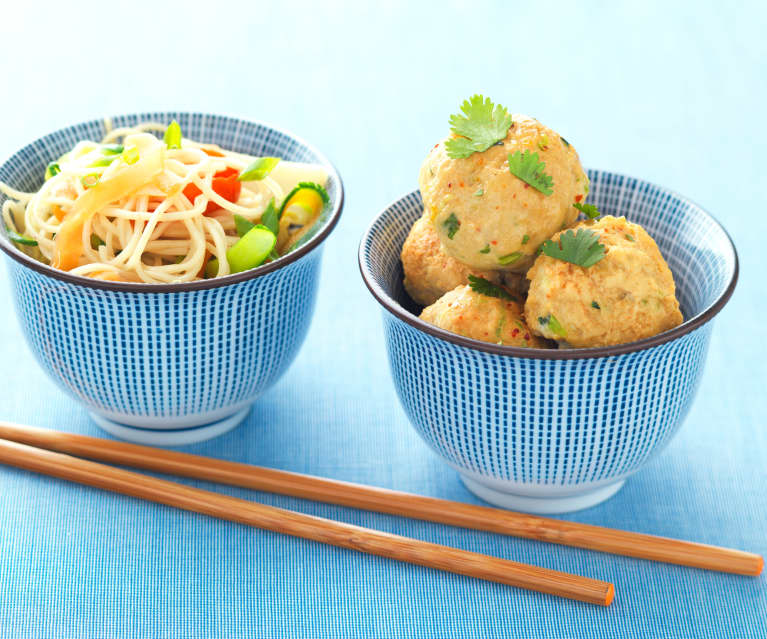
{"x":490,"y":219}
{"x":489,"y":319}
{"x":627,"y":295}
{"x":429,"y":271}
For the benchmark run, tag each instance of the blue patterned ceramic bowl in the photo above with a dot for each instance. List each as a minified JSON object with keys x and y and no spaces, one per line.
{"x":559,"y":430}
{"x":176,"y":363}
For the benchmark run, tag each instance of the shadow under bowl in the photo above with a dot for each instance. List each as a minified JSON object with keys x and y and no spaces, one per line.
{"x":552,"y":431}
{"x":169,"y":364}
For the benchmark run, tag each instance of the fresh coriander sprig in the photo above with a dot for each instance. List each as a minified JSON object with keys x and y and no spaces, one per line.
{"x":485,"y":287}
{"x":582,"y":248}
{"x":527,"y":168}
{"x":451,"y":224}
{"x":482,"y":125}
{"x":589,"y":210}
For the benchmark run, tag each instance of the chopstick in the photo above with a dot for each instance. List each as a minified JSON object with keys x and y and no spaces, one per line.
{"x":287,"y":522}
{"x":619,"y":542}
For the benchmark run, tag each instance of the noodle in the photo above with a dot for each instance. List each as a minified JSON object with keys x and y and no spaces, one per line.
{"x":163,"y":227}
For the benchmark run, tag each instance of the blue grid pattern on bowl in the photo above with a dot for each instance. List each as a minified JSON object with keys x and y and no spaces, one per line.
{"x":555,"y":427}
{"x":167,"y":355}
{"x":174,"y":359}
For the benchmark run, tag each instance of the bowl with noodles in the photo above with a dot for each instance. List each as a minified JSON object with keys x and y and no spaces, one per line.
{"x":164,"y":266}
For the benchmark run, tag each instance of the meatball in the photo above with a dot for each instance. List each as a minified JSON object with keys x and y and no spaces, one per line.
{"x":429,"y":271}
{"x":489,"y":319}
{"x":490,"y":219}
{"x":628,"y":295}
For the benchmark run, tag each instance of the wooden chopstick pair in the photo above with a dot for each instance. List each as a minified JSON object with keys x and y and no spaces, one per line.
{"x":31,"y":448}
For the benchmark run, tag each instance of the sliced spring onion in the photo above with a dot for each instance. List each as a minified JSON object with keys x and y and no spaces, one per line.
{"x":52,"y":169}
{"x":251,"y":250}
{"x":271,"y":218}
{"x":130,"y":155}
{"x":242,"y":225}
{"x":259,"y":169}
{"x":111,"y":149}
{"x":556,"y":327}
{"x":20,"y":239}
{"x":90,"y":180}
{"x":172,"y":136}
{"x":510,"y":258}
{"x":96,"y":241}
{"x":102,"y":162}
{"x":304,"y":202}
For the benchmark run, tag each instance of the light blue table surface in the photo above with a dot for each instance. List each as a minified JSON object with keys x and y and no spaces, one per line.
{"x":669,"y":93}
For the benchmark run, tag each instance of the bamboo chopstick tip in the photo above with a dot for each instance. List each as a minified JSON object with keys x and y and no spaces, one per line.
{"x":610,"y":594}
{"x":759,"y":566}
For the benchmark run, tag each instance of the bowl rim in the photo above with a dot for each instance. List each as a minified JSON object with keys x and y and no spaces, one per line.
{"x":198,"y":285}
{"x":684,"y":328}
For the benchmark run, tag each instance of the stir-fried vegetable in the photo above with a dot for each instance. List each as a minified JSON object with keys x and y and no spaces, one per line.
{"x":304,"y":203}
{"x":224,"y":183}
{"x":251,"y":249}
{"x":259,"y":169}
{"x":20,"y":239}
{"x":51,"y":170}
{"x":172,"y":136}
{"x":241,"y":225}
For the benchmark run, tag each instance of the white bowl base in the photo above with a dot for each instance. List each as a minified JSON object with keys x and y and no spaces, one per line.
{"x":170,"y":437}
{"x":542,"y":505}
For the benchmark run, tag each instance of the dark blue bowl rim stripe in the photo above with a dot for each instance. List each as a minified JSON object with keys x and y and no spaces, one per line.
{"x":551,"y":354}
{"x":236,"y":278}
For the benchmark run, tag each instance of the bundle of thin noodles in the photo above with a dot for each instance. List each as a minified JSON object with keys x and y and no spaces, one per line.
{"x":137,"y":208}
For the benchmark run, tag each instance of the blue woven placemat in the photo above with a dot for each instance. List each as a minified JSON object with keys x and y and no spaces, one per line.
{"x":667,"y":94}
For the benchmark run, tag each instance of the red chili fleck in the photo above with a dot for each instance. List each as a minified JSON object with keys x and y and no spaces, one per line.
{"x":578,"y":198}
{"x":449,"y":185}
{"x":436,"y":145}
{"x":460,"y":184}
{"x":494,"y":242}
{"x":527,"y":186}
{"x":515,"y":332}
{"x":527,"y":336}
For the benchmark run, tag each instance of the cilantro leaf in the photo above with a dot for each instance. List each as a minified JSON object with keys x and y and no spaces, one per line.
{"x":589,"y":210}
{"x":581,"y":248}
{"x":527,"y":168}
{"x":270,"y":218}
{"x":452,"y":224}
{"x":483,"y":124}
{"x":484,"y":287}
{"x":485,"y":250}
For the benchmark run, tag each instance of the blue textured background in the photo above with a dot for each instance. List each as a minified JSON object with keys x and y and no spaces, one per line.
{"x":672,"y":94}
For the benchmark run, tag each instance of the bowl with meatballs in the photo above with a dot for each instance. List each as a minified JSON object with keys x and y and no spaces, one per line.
{"x":546,"y":325}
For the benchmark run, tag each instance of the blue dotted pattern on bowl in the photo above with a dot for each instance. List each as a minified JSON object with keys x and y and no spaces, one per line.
{"x":547,"y":428}
{"x":171,"y":359}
